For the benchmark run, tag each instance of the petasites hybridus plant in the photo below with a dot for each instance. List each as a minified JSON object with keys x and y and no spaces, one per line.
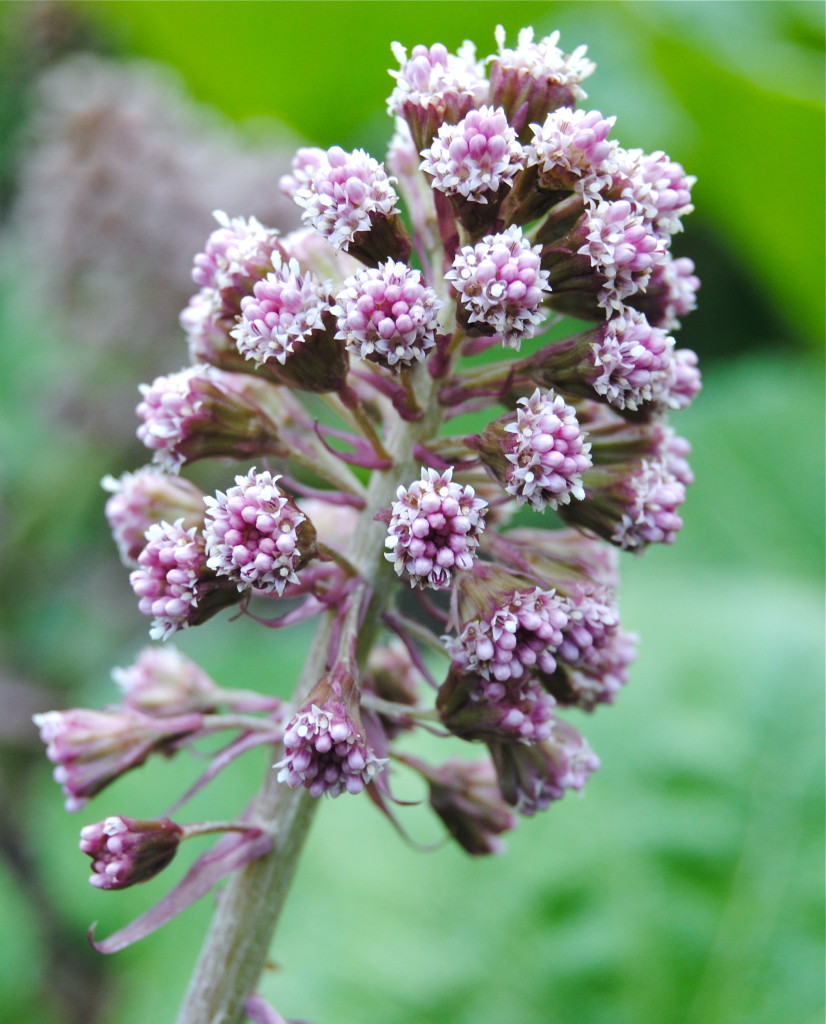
{"x":463,"y":582}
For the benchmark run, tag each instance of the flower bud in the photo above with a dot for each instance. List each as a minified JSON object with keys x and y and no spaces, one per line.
{"x":93,"y":748}
{"x":125,"y":850}
{"x":465,"y":796}
{"x":204,"y":412}
{"x":163,"y":682}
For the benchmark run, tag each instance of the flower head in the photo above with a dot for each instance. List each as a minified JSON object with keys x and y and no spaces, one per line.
{"x":658,"y":187}
{"x":533,"y":78}
{"x":202,"y":412}
{"x":475,"y":158}
{"x":346,"y":197}
{"x":144,"y":497}
{"x":286,"y":308}
{"x":547,"y":452}
{"x":236,"y":254}
{"x":465,"y":796}
{"x":255,"y":534}
{"x":621,"y":248}
{"x":634,"y":362}
{"x":388,"y":314}
{"x":631,"y":504}
{"x":434,"y":529}
{"x":671,"y":292}
{"x":125,"y":851}
{"x":571,"y":152}
{"x":501,"y":286}
{"x":163,"y":682}
{"x":93,"y":748}
{"x":173,"y":581}
{"x":325,"y":746}
{"x":477,"y":708}
{"x":512,"y":633}
{"x":533,"y":776}
{"x":686,"y":381}
{"x":434,"y":87}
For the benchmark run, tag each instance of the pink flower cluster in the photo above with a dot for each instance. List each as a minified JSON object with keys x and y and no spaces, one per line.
{"x":255,"y":535}
{"x":388,"y":314}
{"x":547,"y":451}
{"x":434,"y":530}
{"x":501,"y":286}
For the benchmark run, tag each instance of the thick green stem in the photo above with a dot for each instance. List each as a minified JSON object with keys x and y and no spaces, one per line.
{"x":239,"y":939}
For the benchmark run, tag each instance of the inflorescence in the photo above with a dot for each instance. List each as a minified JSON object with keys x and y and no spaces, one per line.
{"x":480,"y":564}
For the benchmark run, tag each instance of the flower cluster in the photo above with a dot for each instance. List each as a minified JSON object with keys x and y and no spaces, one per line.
{"x":337,"y":362}
{"x":434,"y":530}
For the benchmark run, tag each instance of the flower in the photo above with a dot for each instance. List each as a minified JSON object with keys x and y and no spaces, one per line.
{"x":465,"y":796}
{"x":631,"y":505}
{"x":93,"y":748}
{"x":255,"y":534}
{"x":434,"y":87}
{"x":622,"y":250}
{"x":570,"y":151}
{"x":434,"y":529}
{"x":325,"y":746}
{"x":286,"y":308}
{"x":633,"y":362}
{"x":388,"y":315}
{"x":144,"y":497}
{"x":536,"y":77}
{"x":547,"y":451}
{"x":236,"y":254}
{"x":501,"y":286}
{"x":512,"y":631}
{"x":475,"y":158}
{"x":202,"y":412}
{"x":658,"y":187}
{"x":162,"y":682}
{"x":173,"y":582}
{"x":476,"y":708}
{"x":533,"y":776}
{"x":347,"y":197}
{"x":671,"y":292}
{"x":125,"y":851}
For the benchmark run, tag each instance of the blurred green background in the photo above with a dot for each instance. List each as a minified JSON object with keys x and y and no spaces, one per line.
{"x":686,"y":885}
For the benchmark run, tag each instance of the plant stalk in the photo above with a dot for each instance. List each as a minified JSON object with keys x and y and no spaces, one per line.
{"x":238,"y":942}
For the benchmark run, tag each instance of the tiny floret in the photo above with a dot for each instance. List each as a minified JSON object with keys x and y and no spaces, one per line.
{"x":434,"y":530}
{"x":547,"y":451}
{"x":387,"y":314}
{"x":501,"y":286}
{"x":256,"y":535}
